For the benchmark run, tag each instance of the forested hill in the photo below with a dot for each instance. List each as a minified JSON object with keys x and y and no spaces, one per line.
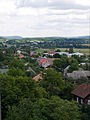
{"x":46,"y":39}
{"x":11,"y":37}
{"x":49,"y":42}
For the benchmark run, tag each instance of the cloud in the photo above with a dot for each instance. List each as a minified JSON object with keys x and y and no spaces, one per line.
{"x":44,"y":17}
{"x":32,"y":3}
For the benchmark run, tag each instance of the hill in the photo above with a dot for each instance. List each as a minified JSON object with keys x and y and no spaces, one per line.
{"x":12,"y":37}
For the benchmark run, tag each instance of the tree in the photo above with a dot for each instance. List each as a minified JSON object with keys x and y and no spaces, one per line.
{"x":56,"y":55}
{"x":85,"y":110}
{"x":73,"y":66}
{"x":58,"y":50}
{"x":71,"y":50}
{"x":52,"y":82}
{"x":16,"y":72}
{"x":17,"y":64}
{"x":14,"y":89}
{"x":61,"y":64}
{"x":1,"y":56}
{"x":44,"y":109}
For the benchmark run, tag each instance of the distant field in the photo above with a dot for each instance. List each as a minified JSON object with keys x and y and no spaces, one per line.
{"x":85,"y":51}
{"x":85,"y":44}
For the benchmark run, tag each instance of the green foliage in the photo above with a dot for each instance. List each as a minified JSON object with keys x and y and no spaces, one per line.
{"x":61,"y":63}
{"x":16,"y":72}
{"x":58,"y":50}
{"x":56,"y":55}
{"x":44,"y":109}
{"x":52,"y":81}
{"x":66,"y":92}
{"x":1,"y":56}
{"x":74,"y":65}
{"x":16,"y":88}
{"x":85,"y":109}
{"x":17,"y":64}
{"x":70,"y":50}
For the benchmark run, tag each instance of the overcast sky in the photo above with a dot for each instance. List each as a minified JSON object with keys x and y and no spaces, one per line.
{"x":34,"y":18}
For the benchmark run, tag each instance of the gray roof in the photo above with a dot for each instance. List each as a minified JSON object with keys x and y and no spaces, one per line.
{"x":3,"y":70}
{"x":78,"y":74}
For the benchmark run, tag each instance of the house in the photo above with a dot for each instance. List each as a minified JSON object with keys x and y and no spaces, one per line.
{"x":45,"y":62}
{"x":82,"y":94}
{"x":51,"y":53}
{"x":50,"y":60}
{"x":77,"y":53}
{"x":32,"y":53}
{"x":21,"y":56}
{"x":18,"y":51}
{"x":38,"y":77}
{"x":63,"y":53}
{"x":78,"y":74}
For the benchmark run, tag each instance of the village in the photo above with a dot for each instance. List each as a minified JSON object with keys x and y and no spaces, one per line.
{"x":30,"y":72}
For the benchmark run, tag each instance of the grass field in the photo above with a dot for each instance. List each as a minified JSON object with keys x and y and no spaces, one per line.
{"x":85,"y":51}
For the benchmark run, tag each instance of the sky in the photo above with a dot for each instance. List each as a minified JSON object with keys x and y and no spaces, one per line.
{"x":44,"y":18}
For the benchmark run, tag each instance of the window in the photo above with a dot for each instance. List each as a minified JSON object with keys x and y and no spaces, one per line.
{"x":81,"y":101}
{"x":77,"y":99}
{"x":88,"y":102}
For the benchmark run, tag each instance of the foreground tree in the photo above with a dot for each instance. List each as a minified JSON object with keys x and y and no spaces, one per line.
{"x":14,"y":89}
{"x":52,"y":82}
{"x":44,"y":109}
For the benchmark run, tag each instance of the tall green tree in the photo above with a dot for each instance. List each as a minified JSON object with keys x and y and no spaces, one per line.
{"x":44,"y":109}
{"x":61,"y":64}
{"x":16,"y":63}
{"x":14,"y":89}
{"x":52,"y":81}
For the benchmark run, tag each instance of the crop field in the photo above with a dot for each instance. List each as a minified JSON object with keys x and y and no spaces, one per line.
{"x":85,"y":51}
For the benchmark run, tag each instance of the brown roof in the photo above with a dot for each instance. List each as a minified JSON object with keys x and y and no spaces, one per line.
{"x":38,"y":77}
{"x":82,"y":91}
{"x":50,"y":60}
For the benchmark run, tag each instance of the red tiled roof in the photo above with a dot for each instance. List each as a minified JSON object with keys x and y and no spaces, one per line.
{"x":37,"y":77}
{"x":25,"y":53}
{"x":21,"y":56}
{"x":82,"y":91}
{"x":15,"y":54}
{"x":51,"y":52}
{"x":43,"y":60}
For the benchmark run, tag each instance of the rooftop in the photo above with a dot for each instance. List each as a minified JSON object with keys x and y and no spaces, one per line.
{"x":82,"y":91}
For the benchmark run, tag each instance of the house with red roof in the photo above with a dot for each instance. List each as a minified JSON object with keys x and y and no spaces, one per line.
{"x":82,"y":94}
{"x":38,"y":77}
{"x":45,"y":62}
{"x":51,"y":53}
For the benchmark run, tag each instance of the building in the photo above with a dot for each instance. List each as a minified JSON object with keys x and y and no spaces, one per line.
{"x":78,"y":74}
{"x":63,"y":53}
{"x":38,"y":77}
{"x":51,"y":53}
{"x":45,"y":62}
{"x":82,"y":94}
{"x":77,"y":53}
